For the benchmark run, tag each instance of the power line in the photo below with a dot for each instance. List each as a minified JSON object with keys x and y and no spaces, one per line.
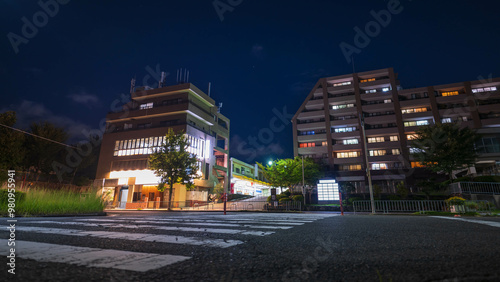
{"x":50,"y":140}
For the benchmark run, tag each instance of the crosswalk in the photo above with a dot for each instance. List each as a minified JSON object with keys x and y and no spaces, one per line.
{"x":198,"y":231}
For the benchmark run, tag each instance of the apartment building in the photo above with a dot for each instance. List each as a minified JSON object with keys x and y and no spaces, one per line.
{"x":247,"y":179}
{"x":328,"y":125}
{"x":133,"y":133}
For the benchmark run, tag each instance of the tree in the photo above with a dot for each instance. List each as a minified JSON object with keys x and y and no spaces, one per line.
{"x":12,"y":148}
{"x":445,"y":147}
{"x":288,"y":172}
{"x":173,"y":163}
{"x":42,"y":153}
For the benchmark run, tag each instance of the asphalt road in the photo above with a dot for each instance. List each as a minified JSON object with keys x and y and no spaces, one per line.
{"x":146,"y":246}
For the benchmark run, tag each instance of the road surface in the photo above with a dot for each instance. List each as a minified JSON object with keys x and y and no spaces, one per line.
{"x":161,"y":246}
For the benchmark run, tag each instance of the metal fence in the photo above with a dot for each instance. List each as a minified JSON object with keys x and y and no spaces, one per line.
{"x":492,"y":188}
{"x":200,"y":205}
{"x":420,"y":206}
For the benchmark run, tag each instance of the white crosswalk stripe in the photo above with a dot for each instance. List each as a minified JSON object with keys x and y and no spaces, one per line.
{"x":92,"y":257}
{"x":134,"y":236}
{"x":237,"y":227}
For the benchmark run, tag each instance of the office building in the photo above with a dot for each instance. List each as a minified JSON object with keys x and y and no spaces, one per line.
{"x":328,"y":125}
{"x":133,"y":133}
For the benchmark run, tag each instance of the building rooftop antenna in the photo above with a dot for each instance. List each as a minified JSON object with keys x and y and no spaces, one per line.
{"x":209,"y":87}
{"x":161,"y":83}
{"x":220,"y":107}
{"x":132,"y":85}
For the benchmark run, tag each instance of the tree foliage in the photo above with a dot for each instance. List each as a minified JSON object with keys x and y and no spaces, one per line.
{"x":41,"y":153}
{"x":445,"y":147}
{"x":12,"y":143}
{"x":173,"y":163}
{"x":288,"y":172}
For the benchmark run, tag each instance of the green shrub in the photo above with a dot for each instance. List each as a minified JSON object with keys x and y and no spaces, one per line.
{"x":487,"y":178}
{"x":352,"y":199}
{"x":269,"y":198}
{"x":471,"y":205}
{"x":298,"y":198}
{"x":285,"y":199}
{"x":286,"y":193}
{"x":394,"y":197}
{"x":4,"y":197}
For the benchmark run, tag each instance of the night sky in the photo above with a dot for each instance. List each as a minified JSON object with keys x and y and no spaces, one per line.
{"x":262,"y":55}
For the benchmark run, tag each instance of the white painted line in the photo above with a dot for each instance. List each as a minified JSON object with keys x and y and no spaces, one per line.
{"x":221,"y":243}
{"x":164,"y":222}
{"x":92,"y":257}
{"x":169,"y":228}
{"x":490,"y":223}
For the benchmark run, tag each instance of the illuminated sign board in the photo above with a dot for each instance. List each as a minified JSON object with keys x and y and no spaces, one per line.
{"x":328,"y":190}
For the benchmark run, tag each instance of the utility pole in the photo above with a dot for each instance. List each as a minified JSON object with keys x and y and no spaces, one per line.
{"x":303,"y":183}
{"x":368,"y":173}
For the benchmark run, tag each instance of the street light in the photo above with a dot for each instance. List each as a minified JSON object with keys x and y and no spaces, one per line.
{"x":270,"y":163}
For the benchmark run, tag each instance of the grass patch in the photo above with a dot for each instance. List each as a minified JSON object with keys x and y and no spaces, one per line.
{"x":40,"y":202}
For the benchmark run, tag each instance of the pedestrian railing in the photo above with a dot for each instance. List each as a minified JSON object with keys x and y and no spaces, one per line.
{"x":420,"y":206}
{"x":208,"y":205}
{"x":283,"y":206}
{"x":492,"y":188}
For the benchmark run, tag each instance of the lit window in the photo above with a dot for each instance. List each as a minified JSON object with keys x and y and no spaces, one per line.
{"x":411,"y":136}
{"x":449,"y":93}
{"x":341,"y":83}
{"x":387,"y":101}
{"x":324,"y":143}
{"x":378,"y":166}
{"x":371,"y":91}
{"x":376,"y":139}
{"x":375,"y":153}
{"x":367,"y":80}
{"x":465,"y":119}
{"x":416,"y":123}
{"x":350,"y":167}
{"x":146,"y":106}
{"x":413,"y":110}
{"x":345,"y":129}
{"x":396,"y":152}
{"x":343,"y":155}
{"x":337,"y":107}
{"x":446,"y":120}
{"x":394,"y":138}
{"x":350,"y":141}
{"x":305,"y":145}
{"x":486,"y":89}
{"x":385,"y":89}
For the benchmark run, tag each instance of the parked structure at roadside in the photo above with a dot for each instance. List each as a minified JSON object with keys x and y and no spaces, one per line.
{"x":328,"y":125}
{"x":133,"y":133}
{"x":248,"y":179}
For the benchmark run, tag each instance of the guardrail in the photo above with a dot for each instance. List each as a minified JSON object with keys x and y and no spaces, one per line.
{"x":492,"y":188}
{"x":420,"y":206}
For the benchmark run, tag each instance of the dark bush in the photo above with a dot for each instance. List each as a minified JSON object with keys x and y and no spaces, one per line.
{"x":298,"y":198}
{"x":4,"y":196}
{"x":285,"y":199}
{"x":394,"y":197}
